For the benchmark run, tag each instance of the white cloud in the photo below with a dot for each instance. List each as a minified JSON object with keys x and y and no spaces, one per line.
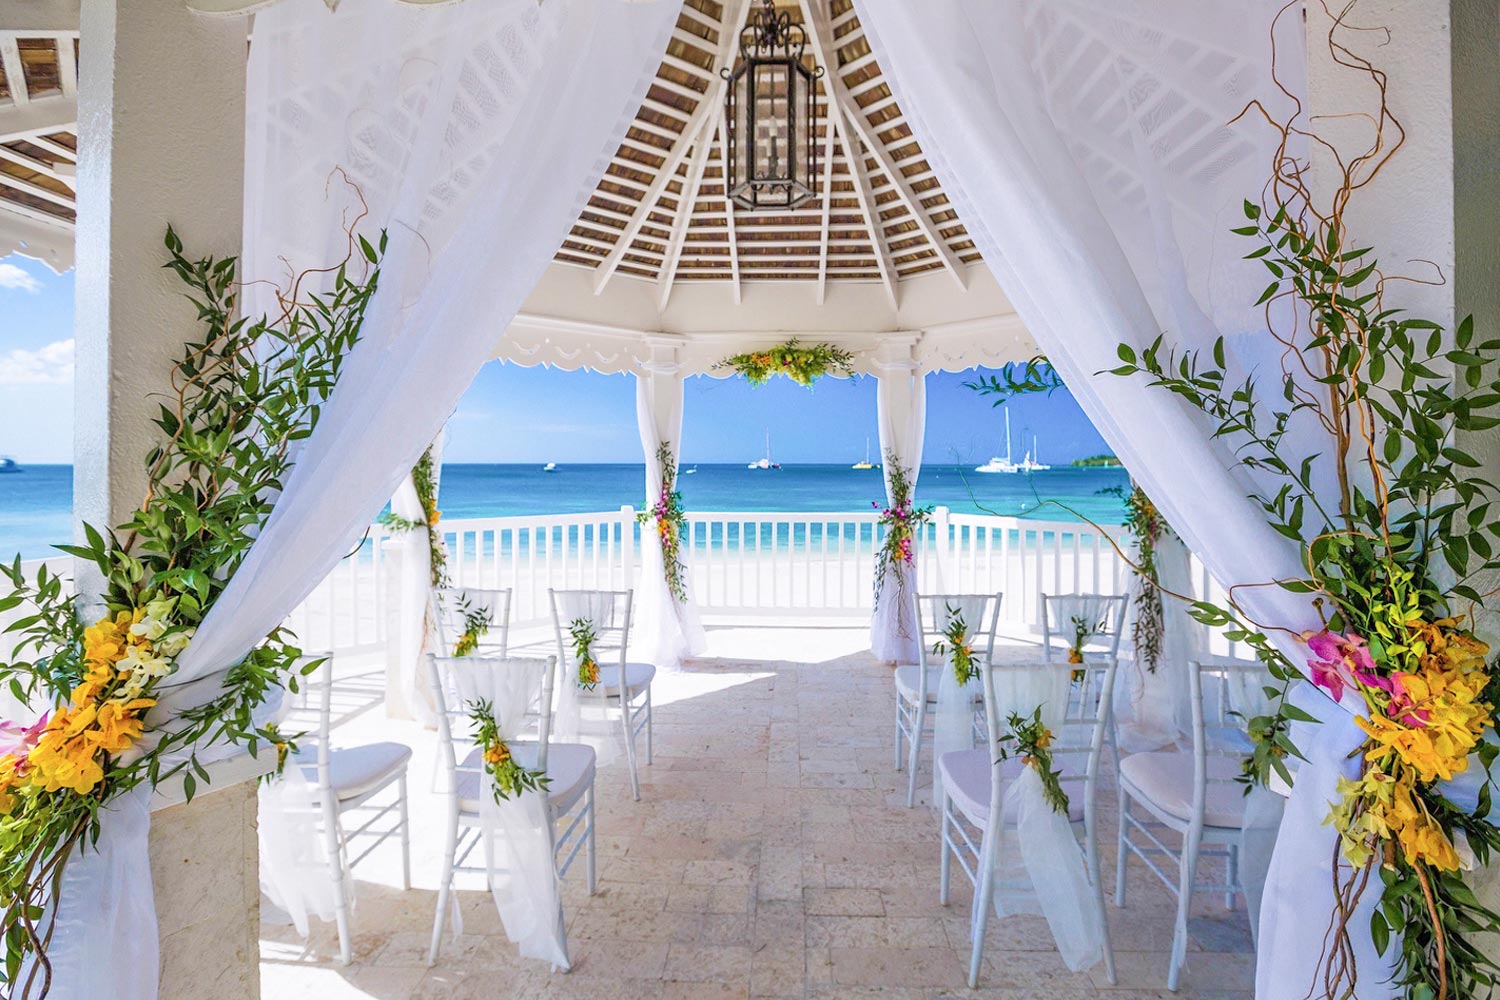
{"x":12,"y":276}
{"x":52,"y":363}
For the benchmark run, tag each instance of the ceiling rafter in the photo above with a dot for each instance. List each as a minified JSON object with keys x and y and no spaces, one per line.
{"x":734,"y":250}
{"x":829,"y":135}
{"x":15,"y":73}
{"x":685,"y":203}
{"x":710,"y":101}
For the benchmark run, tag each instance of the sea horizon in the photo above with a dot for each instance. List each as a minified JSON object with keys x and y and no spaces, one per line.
{"x":36,"y":508}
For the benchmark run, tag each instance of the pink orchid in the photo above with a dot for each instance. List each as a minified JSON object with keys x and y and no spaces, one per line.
{"x":1402,"y":707}
{"x":17,"y":740}
{"x":1342,"y":660}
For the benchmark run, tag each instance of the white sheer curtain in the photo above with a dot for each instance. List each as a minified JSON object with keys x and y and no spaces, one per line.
{"x":413,"y":695}
{"x":666,"y":629}
{"x":901,"y":404}
{"x":1086,"y":147}
{"x":1153,"y":706}
{"x":475,"y":139}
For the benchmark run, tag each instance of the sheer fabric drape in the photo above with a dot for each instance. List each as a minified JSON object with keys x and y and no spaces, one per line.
{"x":901,"y":408}
{"x":445,"y":122}
{"x":667,"y":629}
{"x":953,"y":723}
{"x":1087,"y":148}
{"x":415,"y":629}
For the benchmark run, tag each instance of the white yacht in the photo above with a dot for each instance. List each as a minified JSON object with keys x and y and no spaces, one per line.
{"x":1030,"y":464}
{"x":1005,"y":464}
{"x":765,"y":462}
{"x":550,"y":467}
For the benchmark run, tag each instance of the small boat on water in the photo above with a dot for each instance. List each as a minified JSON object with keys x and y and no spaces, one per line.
{"x":689,"y":472}
{"x":997,"y":464}
{"x":866,"y":463}
{"x":550,"y":467}
{"x":765,"y":463}
{"x":9,"y":465}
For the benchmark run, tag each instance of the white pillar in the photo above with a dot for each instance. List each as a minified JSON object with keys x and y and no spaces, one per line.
{"x":901,"y":402}
{"x":161,"y":115}
{"x":1435,"y":201}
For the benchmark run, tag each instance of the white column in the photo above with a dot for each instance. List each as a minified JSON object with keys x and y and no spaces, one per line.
{"x":667,"y":629}
{"x":161,"y":139}
{"x":901,"y":403}
{"x":161,"y":114}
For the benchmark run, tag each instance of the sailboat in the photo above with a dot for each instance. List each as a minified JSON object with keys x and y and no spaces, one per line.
{"x":1029,"y":464}
{"x":866,"y":463}
{"x":550,"y":467}
{"x":9,"y":465}
{"x":1005,"y":464}
{"x":765,"y":463}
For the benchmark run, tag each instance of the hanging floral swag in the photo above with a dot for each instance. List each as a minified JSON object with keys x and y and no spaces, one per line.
{"x":239,"y":397}
{"x":666,"y":511}
{"x":803,"y":365}
{"x":507,"y":776}
{"x":1031,"y":741}
{"x":424,"y":478}
{"x":901,"y":521}
{"x":582,"y":632}
{"x":1148,"y":631}
{"x":1392,"y":559}
{"x":955,"y":645}
{"x":477,"y":622}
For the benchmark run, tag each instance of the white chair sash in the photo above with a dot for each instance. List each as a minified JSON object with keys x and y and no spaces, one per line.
{"x":582,"y":715}
{"x":523,"y":870}
{"x":1039,"y":869}
{"x":953,"y":724}
{"x":295,"y":869}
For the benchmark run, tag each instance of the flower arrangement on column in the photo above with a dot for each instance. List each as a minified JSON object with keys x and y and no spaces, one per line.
{"x":1148,"y":632}
{"x":424,"y":478}
{"x":901,"y":520}
{"x":803,"y":365}
{"x":665,"y":511}
{"x":239,"y":398}
{"x":1393,"y":554}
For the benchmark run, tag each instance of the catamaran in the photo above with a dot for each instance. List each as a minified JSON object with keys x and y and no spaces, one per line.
{"x":866,"y":463}
{"x":765,"y":463}
{"x":1005,"y":464}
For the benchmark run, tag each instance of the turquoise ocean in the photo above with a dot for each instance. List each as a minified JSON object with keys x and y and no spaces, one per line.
{"x":36,"y":503}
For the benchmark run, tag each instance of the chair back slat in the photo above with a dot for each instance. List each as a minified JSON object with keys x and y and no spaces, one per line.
{"x":1218,"y":726}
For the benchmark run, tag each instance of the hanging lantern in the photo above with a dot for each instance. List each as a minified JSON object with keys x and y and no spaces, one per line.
{"x":771,"y":110}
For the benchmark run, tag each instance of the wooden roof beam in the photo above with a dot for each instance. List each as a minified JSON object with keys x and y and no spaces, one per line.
{"x":31,"y":18}
{"x":831,"y":134}
{"x":44,"y":115}
{"x":821,"y":37}
{"x":870,"y":212}
{"x":685,"y":204}
{"x":710,"y":103}
{"x":63,"y":171}
{"x":734,"y":250}
{"x":15,"y":73}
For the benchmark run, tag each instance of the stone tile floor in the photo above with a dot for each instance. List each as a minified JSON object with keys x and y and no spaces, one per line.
{"x":771,"y":855}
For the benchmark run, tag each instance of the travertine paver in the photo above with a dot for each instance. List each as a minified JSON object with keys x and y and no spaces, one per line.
{"x":771,"y":855}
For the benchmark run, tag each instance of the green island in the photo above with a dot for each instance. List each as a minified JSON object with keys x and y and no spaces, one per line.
{"x":1098,"y":462}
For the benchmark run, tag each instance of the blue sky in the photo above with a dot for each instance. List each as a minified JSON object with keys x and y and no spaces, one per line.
{"x":515,"y":414}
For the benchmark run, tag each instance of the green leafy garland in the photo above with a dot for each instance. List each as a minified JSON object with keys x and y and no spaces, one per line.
{"x":424,"y":478}
{"x":507,"y":777}
{"x":901,"y":521}
{"x":803,"y":365}
{"x":582,"y":631}
{"x":239,"y":398}
{"x":1392,"y":561}
{"x":1019,"y":379}
{"x":956,"y":646}
{"x":666,"y":511}
{"x":1032,"y":742}
{"x":1146,"y":525}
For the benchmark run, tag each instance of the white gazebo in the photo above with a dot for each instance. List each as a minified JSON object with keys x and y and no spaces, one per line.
{"x":1057,"y":191}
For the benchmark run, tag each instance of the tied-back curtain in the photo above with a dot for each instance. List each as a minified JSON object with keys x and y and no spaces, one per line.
{"x":1087,"y":147}
{"x":666,"y":629}
{"x":473,"y":134}
{"x":415,"y":631}
{"x":901,"y":410}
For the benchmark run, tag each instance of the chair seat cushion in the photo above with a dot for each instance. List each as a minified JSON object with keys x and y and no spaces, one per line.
{"x":569,"y":765}
{"x":966,"y":779}
{"x":638,"y":677}
{"x":354,"y":771}
{"x":1165,"y":779}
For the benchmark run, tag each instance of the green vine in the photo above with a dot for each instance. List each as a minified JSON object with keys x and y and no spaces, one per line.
{"x":424,"y":478}
{"x":477,"y":622}
{"x":1019,"y":378}
{"x":239,"y":397}
{"x":803,"y":365}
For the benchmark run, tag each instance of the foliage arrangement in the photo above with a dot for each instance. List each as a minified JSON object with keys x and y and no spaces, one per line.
{"x":955,"y":645}
{"x":1019,"y":379}
{"x":477,"y":622}
{"x":582,"y":632}
{"x":424,"y":478}
{"x":239,"y":398}
{"x":803,"y":365}
{"x":1032,"y":742}
{"x":901,"y":521}
{"x":1392,"y":555}
{"x":666,"y":511}
{"x":507,"y":777}
{"x":1148,"y":632}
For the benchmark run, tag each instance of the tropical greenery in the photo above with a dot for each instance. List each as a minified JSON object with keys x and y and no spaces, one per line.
{"x":1030,"y":740}
{"x":900,"y":520}
{"x":424,"y":478}
{"x":803,"y":365}
{"x":239,"y":397}
{"x":507,"y":776}
{"x":1018,"y":378}
{"x":957,"y":647}
{"x":1395,"y":531}
{"x":1098,"y":462}
{"x":477,"y":622}
{"x":666,"y":511}
{"x":581,"y":630}
{"x":1148,"y":630}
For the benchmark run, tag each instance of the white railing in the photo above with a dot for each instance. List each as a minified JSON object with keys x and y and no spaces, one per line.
{"x":739,"y":563}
